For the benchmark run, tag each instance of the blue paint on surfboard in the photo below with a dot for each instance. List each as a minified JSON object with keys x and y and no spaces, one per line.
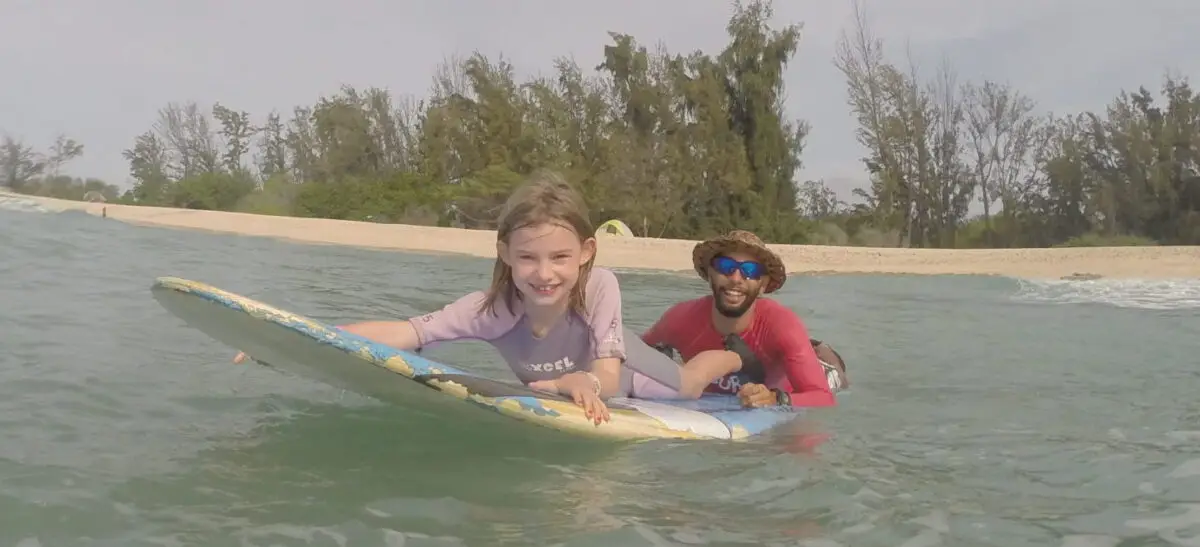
{"x":244,"y":323}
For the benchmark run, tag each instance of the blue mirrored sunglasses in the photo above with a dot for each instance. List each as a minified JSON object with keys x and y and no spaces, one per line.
{"x":726,"y":266}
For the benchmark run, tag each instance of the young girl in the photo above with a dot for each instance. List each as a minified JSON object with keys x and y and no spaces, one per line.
{"x":554,"y":318}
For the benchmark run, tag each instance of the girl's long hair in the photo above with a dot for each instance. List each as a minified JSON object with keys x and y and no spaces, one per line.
{"x":545,"y":198}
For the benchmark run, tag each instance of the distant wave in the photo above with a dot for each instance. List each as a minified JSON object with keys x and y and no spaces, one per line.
{"x":1179,"y":294}
{"x":12,"y":202}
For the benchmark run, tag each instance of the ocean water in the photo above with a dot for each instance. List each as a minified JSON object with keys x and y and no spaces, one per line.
{"x":983,"y":411}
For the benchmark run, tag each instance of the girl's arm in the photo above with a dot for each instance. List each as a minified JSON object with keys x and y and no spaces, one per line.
{"x":398,"y":334}
{"x":608,"y":371}
{"x":608,"y":330}
{"x":458,"y":320}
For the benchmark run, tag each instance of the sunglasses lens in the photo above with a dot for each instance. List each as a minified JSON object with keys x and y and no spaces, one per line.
{"x":752,"y":270}
{"x":725,"y":265}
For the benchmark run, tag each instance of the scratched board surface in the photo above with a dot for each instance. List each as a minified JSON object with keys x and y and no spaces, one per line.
{"x":297,"y":344}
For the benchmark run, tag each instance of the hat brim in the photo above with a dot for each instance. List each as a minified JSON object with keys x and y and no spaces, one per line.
{"x":704,"y":252}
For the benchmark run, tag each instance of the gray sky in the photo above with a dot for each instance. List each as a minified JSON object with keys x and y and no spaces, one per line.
{"x":99,"y":71}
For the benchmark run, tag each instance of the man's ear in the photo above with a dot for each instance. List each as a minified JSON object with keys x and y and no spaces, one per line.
{"x":589,"y":250}
{"x":502,"y":252}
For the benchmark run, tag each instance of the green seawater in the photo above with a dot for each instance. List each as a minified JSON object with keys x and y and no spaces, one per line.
{"x":984,"y":411}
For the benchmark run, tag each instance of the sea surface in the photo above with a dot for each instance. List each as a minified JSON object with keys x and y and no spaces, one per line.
{"x":983,"y":411}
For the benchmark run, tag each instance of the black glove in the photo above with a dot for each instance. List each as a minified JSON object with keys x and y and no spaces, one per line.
{"x":669,"y":351}
{"x":752,"y":369}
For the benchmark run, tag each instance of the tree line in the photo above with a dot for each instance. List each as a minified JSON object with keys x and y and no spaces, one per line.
{"x":686,"y":146}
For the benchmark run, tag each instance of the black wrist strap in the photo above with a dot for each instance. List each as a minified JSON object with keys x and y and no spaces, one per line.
{"x":782,"y":398}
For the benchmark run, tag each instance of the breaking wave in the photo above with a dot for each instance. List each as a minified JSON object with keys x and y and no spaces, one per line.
{"x":1159,"y":294}
{"x":13,"y":202}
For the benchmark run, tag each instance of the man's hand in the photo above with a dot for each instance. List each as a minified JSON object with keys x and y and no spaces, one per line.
{"x":757,"y":396}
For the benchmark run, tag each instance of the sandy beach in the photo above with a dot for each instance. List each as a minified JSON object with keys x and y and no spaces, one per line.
{"x":673,"y":254}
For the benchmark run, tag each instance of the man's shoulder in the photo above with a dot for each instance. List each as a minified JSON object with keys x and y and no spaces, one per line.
{"x":686,"y":313}
{"x":779,"y":323}
{"x":678,"y":325}
{"x":689,"y":307}
{"x":771,"y":308}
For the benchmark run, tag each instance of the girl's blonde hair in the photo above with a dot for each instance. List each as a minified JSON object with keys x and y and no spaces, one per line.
{"x":545,"y":198}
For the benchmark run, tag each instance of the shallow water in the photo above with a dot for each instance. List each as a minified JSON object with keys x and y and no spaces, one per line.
{"x":984,"y":411}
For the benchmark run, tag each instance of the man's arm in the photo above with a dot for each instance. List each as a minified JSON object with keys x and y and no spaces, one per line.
{"x":795,"y":353}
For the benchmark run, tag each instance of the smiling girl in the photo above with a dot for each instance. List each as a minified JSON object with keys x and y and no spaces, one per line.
{"x":553,"y":317}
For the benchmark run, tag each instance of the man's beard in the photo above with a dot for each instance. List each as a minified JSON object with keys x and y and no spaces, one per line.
{"x":733,"y":312}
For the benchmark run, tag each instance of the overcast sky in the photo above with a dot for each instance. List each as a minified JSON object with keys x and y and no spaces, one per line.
{"x":99,"y":70}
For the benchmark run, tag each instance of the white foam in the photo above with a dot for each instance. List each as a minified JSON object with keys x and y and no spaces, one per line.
{"x":1189,"y":518}
{"x":1177,"y":294}
{"x":1190,"y":468}
{"x":13,"y":202}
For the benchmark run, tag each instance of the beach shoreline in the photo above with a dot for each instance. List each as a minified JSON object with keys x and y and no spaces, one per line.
{"x":671,"y":255}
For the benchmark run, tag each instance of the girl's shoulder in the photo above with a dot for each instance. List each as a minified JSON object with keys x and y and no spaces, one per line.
{"x":602,"y":286}
{"x":602,"y":279}
{"x":602,"y":293}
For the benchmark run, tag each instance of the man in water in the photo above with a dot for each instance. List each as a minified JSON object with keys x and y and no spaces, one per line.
{"x":781,"y":364}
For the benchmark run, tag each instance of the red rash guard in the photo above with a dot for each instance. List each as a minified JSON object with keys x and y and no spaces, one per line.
{"x":776,"y":335}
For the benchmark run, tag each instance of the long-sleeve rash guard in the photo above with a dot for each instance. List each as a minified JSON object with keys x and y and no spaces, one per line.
{"x":776,"y":335}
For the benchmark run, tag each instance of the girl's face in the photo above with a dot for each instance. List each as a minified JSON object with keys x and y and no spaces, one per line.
{"x":545,"y":261}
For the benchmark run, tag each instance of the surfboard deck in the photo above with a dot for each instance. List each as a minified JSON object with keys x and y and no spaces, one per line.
{"x":300,"y":345}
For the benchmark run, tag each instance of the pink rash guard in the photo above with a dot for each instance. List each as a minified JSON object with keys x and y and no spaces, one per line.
{"x":569,"y":346}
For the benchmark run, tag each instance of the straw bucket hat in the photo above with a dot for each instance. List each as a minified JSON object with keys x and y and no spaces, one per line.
{"x":746,"y":242}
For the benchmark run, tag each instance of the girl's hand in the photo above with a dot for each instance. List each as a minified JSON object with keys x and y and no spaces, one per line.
{"x":580,"y":388}
{"x":241,"y":356}
{"x":584,"y":394}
